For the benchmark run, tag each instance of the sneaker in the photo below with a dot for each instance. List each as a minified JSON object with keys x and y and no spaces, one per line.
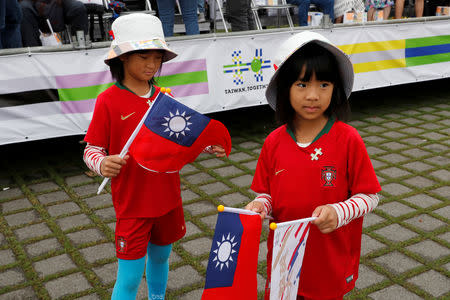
{"x":201,"y":17}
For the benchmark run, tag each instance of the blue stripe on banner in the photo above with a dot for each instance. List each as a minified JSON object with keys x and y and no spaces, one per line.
{"x":428,"y":50}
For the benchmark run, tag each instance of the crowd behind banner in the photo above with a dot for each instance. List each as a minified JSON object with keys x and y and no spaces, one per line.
{"x":29,"y":23}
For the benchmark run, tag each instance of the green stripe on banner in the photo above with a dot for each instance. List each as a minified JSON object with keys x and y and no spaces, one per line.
{"x":428,"y":41}
{"x":82,"y":93}
{"x":182,"y":79}
{"x":429,"y":59}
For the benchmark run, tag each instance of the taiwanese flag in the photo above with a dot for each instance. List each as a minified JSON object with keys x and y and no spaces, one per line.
{"x":233,"y":260}
{"x":173,"y":135}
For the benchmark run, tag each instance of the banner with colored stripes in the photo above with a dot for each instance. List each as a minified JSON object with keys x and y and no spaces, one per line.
{"x":50,"y":94}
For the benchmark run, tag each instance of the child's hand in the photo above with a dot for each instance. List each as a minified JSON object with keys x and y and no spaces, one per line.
{"x":218,"y":150}
{"x":257,"y":207}
{"x":327,"y":218}
{"x":112,"y":164}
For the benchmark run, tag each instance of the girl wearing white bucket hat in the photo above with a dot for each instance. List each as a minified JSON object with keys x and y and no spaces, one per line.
{"x":147,"y":204}
{"x":316,"y":165}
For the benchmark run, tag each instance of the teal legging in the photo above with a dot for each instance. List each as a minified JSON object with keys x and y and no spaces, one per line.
{"x":129,"y":274}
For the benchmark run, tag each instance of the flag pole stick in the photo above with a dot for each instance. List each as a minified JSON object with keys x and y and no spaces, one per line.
{"x":125,"y":148}
{"x":291,"y":222}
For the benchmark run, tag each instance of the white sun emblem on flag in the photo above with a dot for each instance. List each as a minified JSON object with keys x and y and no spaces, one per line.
{"x":177,"y":123}
{"x":224,"y":251}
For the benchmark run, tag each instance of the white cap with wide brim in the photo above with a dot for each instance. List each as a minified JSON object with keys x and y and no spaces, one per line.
{"x":294,"y":44}
{"x":138,"y":31}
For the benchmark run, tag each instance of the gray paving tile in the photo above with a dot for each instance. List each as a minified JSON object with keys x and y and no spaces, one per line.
{"x":14,"y":205}
{"x":53,"y":197}
{"x":228,"y":171}
{"x":99,"y":200}
{"x":234,"y":199}
{"x":432,"y":282}
{"x":107,"y":273}
{"x":42,"y":247}
{"x":192,"y":295}
{"x":183,"y":276}
{"x":32,"y":231}
{"x":412,"y":130}
{"x":85,"y":236}
{"x":239,"y":156}
{"x":394,"y":172}
{"x":188,"y":169}
{"x":25,"y":293}
{"x":425,"y":222}
{"x":396,"y":233}
{"x":419,"y":182}
{"x":374,"y":129}
{"x":199,"y":178}
{"x":198,"y":247}
{"x":435,"y":147}
{"x":367,"y":277}
{"x":210,"y":221}
{"x":395,"y":189}
{"x":78,"y":179}
{"x":395,"y":209}
{"x":44,"y":186}
{"x":393,"y":158}
{"x":67,"y":285}
{"x":251,"y":165}
{"x":369,"y":245}
{"x":89,"y":297}
{"x":174,"y":258}
{"x":396,"y":262}
{"x":372,"y":219}
{"x":443,"y":191}
{"x":97,"y":252}
{"x":54,"y":265}
{"x":191,"y":229}
{"x":416,"y":153}
{"x":374,"y":139}
{"x":214,"y":188}
{"x":444,"y":211}
{"x":422,"y":200}
{"x":374,"y":150}
{"x":394,"y":292}
{"x":11,"y":277}
{"x":394,"y":134}
{"x":394,"y":145}
{"x":10,"y":193}
{"x":442,"y":175}
{"x":22,"y":218}
{"x":429,"y":250}
{"x":2,"y":239}
{"x":106,"y":213}
{"x":262,"y":254}
{"x":411,"y":121}
{"x":445,"y":236}
{"x":438,"y":160}
{"x":87,"y":189}
{"x":413,"y":141}
{"x":249,"y":145}
{"x":188,"y":195}
{"x":200,"y":207}
{"x":242,"y":181}
{"x":210,"y":163}
{"x":62,"y":209}
{"x":433,"y":136}
{"x":7,"y":257}
{"x":417,"y":166}
{"x":393,"y":125}
{"x":70,"y":222}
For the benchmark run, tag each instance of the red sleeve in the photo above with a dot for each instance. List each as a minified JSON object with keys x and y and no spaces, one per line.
{"x":99,"y":128}
{"x":362,"y":177}
{"x":261,"y":180}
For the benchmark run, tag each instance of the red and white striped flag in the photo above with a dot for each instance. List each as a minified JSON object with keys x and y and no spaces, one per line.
{"x":289,"y":245}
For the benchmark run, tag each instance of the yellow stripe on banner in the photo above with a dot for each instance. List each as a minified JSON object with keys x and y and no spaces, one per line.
{"x":379,"y":65}
{"x":372,"y":46}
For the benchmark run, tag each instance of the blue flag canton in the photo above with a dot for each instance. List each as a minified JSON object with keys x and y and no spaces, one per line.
{"x":225,"y":247}
{"x":174,"y":121}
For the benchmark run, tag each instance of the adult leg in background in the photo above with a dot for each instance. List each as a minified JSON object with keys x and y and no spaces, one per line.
{"x":157,"y":270}
{"x":75,"y":14}
{"x":166,"y":10}
{"x":303,"y":8}
{"x":10,"y":34}
{"x":30,"y":24}
{"x":189,"y":14}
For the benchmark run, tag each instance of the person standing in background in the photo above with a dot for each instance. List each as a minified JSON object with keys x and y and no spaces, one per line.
{"x":10,"y":19}
{"x":327,"y":7}
{"x":400,"y":4}
{"x":166,"y":10}
{"x":239,"y":14}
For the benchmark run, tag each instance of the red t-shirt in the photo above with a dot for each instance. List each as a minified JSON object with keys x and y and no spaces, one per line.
{"x":330,"y":170}
{"x":136,"y":192}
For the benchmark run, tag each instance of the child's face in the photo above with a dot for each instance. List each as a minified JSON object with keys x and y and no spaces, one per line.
{"x":141,"y":66}
{"x":310,"y":98}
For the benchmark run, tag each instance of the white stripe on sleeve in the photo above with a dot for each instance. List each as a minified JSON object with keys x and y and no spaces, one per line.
{"x":265,"y":199}
{"x":354,"y":207}
{"x":93,"y":157}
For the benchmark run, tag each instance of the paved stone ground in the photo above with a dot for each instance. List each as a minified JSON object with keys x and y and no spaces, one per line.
{"x":56,"y":238}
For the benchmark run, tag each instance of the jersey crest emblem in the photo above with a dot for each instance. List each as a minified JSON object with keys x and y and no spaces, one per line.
{"x":121,"y":244}
{"x":328,"y":175}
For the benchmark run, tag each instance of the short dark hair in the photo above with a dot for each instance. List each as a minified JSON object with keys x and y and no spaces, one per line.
{"x":117,"y":71}
{"x":321,"y":62}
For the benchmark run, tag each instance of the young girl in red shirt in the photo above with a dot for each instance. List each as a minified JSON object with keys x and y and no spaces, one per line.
{"x":316,"y":165}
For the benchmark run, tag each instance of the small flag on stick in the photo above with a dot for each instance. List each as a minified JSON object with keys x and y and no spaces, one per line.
{"x":233,"y":260}
{"x":289,"y":243}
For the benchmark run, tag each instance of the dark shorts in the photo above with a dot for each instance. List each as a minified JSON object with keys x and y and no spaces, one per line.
{"x":133,"y":235}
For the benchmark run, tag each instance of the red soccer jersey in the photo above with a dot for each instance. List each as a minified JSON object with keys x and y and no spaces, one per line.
{"x":330,"y":170}
{"x":136,"y":192}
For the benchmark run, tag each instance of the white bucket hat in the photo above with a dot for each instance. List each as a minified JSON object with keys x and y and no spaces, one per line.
{"x":138,"y":32}
{"x":297,"y":41}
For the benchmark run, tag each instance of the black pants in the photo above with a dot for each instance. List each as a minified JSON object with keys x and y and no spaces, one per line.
{"x":239,"y":14}
{"x":71,"y":12}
